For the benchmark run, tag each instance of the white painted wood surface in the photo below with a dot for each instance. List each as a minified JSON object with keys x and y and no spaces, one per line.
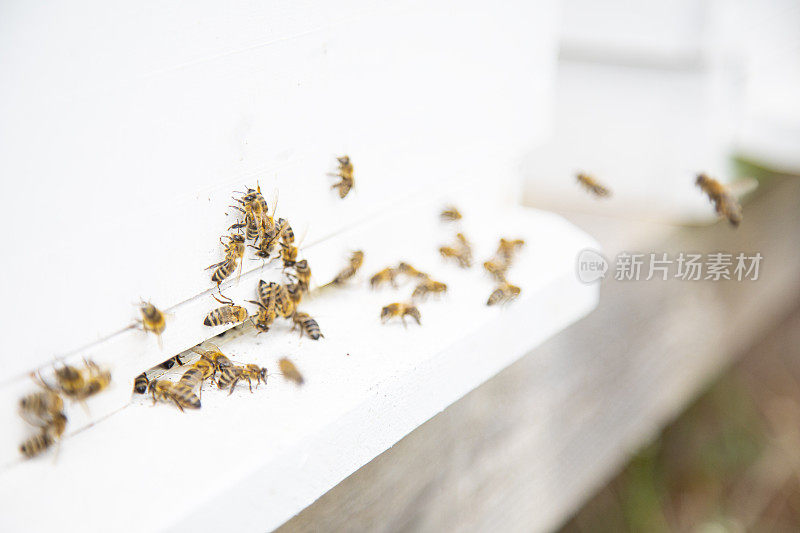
{"x":126,"y":128}
{"x":270,"y":454}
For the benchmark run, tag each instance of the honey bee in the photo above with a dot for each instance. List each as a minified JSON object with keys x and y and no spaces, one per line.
{"x":227,"y":314}
{"x":724,"y":203}
{"x":45,"y":438}
{"x":497,"y":269}
{"x":295,"y":291}
{"x":267,"y":241}
{"x":288,"y":255}
{"x":152,"y":319}
{"x":223,"y":270}
{"x":356,"y":260}
{"x":250,"y":225}
{"x":140,"y":383}
{"x":426,"y":287}
{"x":461,"y":252}
{"x":253,"y":202}
{"x":303,"y":274}
{"x":285,"y":231}
{"x":345,"y":174}
{"x":181,"y":396}
{"x":593,"y":186}
{"x":290,"y":371}
{"x":169,"y":363}
{"x":196,"y":374}
{"x":214,"y":357}
{"x":503,"y":294}
{"x":285,"y":303}
{"x":508,"y":248}
{"x":268,"y":305}
{"x":401,"y":310}
{"x":387,"y":275}
{"x":79,"y":384}
{"x":40,"y":408}
{"x":410,"y":271}
{"x":233,"y":374}
{"x":307,"y":325}
{"x":450,"y":214}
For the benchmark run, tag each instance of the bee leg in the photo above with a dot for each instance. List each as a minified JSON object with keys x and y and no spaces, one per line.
{"x":250,"y":384}
{"x":176,"y":402}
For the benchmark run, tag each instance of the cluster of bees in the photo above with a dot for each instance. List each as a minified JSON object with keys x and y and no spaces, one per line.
{"x":44,"y":409}
{"x":186,"y":393}
{"x":498,"y":266}
{"x":725,"y":203}
{"x":425,"y":287}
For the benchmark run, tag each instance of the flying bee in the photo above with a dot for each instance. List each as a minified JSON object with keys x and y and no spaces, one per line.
{"x":593,"y":186}
{"x":140,"y":383}
{"x":227,"y":314}
{"x":450,"y":214}
{"x":232,"y":375}
{"x":401,"y":310}
{"x":303,"y":274}
{"x":167,"y":391}
{"x":508,"y":248}
{"x":497,"y":269}
{"x":503,"y":294}
{"x":39,"y":408}
{"x":387,"y":275}
{"x":307,"y":325}
{"x":724,"y":202}
{"x":152,"y":319}
{"x":457,"y":254}
{"x":290,"y":371}
{"x":461,"y":252}
{"x":410,"y":271}
{"x":355,"y":262}
{"x":345,"y":175}
{"x":427,"y":287}
{"x":79,"y":384}
{"x":45,"y":438}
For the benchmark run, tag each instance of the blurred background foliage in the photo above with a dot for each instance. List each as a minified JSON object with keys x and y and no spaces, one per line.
{"x":730,"y":462}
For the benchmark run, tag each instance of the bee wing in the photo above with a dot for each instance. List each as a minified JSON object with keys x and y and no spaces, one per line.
{"x":742,"y":187}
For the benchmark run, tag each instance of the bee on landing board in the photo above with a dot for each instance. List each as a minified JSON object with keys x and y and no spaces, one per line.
{"x":212,"y":354}
{"x":152,"y":319}
{"x":345,"y":175}
{"x":140,"y":383}
{"x":400,"y":310}
{"x":181,"y":396}
{"x":591,"y":184}
{"x":290,"y":371}
{"x":227,"y":314}
{"x":503,"y":294}
{"x":268,"y":305}
{"x":307,"y":325}
{"x":233,"y":374}
{"x":303,"y":274}
{"x":724,"y":203}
